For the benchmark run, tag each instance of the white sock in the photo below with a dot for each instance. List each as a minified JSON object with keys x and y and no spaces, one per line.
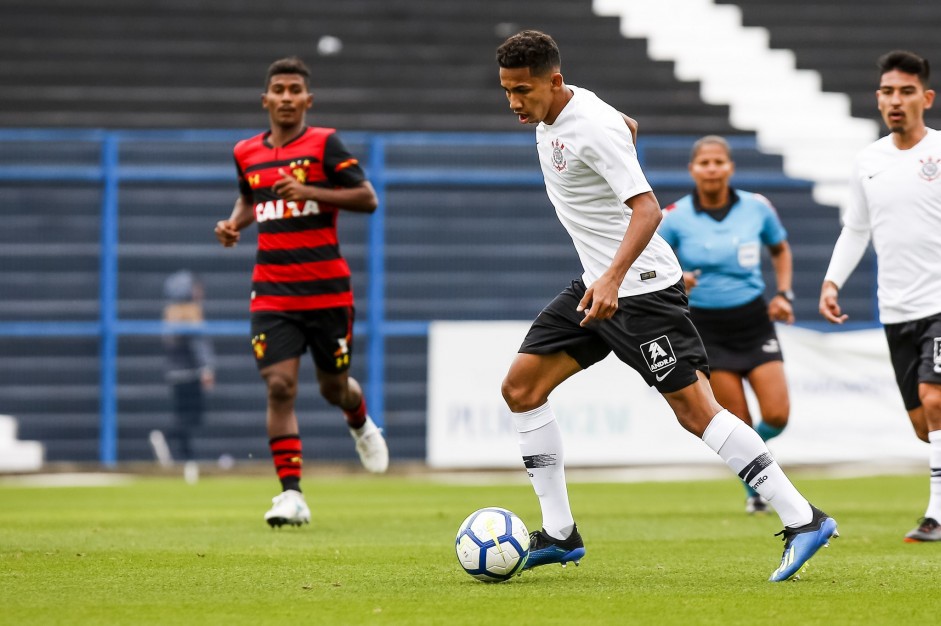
{"x":541,"y":445}
{"x":934,"y":460}
{"x":747,"y":455}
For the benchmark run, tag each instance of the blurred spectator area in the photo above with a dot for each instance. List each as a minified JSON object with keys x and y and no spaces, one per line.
{"x":459,"y":243}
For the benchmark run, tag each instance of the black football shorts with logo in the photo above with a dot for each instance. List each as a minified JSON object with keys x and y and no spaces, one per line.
{"x":738,"y":339}
{"x":281,"y":335}
{"x":915,"y":349}
{"x":651,"y":332}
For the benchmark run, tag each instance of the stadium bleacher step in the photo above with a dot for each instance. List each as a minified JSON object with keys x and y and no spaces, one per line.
{"x":15,"y":455}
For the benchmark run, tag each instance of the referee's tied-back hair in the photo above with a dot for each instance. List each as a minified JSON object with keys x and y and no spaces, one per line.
{"x":288,"y":65}
{"x":530,"y":48}
{"x":907,"y":62}
{"x":710,"y":139}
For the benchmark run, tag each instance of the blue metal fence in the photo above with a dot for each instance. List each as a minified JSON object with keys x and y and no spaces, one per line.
{"x":110,"y":173}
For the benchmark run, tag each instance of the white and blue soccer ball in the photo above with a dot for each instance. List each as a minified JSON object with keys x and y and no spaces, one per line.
{"x":492,"y":544}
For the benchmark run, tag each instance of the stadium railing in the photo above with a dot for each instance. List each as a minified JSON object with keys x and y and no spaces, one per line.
{"x":110,"y":173}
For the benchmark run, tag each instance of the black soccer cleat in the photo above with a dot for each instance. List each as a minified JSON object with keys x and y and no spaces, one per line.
{"x":545,"y":549}
{"x":928,"y":529}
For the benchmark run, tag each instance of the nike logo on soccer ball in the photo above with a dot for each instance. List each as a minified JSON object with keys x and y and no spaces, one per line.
{"x":665,"y":374}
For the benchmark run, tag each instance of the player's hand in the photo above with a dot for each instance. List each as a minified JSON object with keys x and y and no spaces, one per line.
{"x":599,"y":302}
{"x":691,"y":279}
{"x":290,"y":188}
{"x":226,"y":233}
{"x":208,"y":379}
{"x":830,"y":305}
{"x":780,"y":310}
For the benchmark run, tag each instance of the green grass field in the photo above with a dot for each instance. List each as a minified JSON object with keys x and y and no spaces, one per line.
{"x":380,"y":551}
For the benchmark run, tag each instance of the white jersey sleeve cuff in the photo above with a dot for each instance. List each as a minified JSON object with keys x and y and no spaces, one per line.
{"x":849,"y":249}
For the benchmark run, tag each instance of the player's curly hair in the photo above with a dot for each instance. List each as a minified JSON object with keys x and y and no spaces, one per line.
{"x":532,"y":49}
{"x":907,"y":62}
{"x":288,"y":65}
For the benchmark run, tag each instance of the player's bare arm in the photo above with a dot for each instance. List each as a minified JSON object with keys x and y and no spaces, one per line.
{"x":359,"y":199}
{"x":601,"y":298}
{"x":632,"y":125}
{"x":227,"y":231}
{"x":780,"y":308}
{"x":830,"y":304}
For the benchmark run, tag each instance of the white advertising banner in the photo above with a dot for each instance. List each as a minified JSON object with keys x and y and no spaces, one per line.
{"x":845,"y":406}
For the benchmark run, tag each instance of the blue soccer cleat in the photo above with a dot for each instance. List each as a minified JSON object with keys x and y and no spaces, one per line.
{"x":802,"y":542}
{"x":545,"y":550}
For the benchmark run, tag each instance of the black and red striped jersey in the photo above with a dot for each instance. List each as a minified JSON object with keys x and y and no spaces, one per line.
{"x":298,"y":266}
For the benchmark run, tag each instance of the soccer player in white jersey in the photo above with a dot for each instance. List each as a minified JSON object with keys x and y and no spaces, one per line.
{"x":895,"y":199}
{"x":629,"y":300}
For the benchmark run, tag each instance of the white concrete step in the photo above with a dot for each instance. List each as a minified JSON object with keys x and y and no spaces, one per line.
{"x":18,"y":456}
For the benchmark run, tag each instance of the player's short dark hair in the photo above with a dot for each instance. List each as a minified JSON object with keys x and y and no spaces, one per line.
{"x":532,"y":49}
{"x":710,"y":139}
{"x":288,"y":65}
{"x":907,"y":62}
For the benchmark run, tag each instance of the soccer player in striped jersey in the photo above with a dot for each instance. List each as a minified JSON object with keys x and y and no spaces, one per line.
{"x":294,"y":180}
{"x":629,"y":300}
{"x":895,"y":200}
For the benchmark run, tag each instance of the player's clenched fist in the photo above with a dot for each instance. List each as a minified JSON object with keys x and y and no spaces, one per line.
{"x":226,"y":233}
{"x":290,"y":188}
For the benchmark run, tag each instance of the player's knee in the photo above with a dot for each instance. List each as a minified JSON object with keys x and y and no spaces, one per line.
{"x":930,"y":396}
{"x":520,"y":398}
{"x":281,"y":388}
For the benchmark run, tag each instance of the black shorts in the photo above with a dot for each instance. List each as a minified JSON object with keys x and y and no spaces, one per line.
{"x":651,"y":332}
{"x":281,"y":335}
{"x":738,"y":339}
{"x":188,"y":403}
{"x":915,"y":349}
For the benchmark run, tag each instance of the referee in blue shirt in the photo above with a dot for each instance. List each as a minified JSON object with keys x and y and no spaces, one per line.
{"x":717,"y":233}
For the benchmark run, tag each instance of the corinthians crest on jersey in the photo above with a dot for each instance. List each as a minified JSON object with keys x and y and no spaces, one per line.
{"x":558,"y":157}
{"x":930,"y":168}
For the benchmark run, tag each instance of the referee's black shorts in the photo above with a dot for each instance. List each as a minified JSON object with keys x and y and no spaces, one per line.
{"x":651,"y":332}
{"x":738,"y":339}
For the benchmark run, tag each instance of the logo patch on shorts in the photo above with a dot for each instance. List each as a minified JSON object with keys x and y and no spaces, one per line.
{"x":659,"y":354}
{"x":342,"y":354}
{"x":259,"y":345}
{"x":937,"y":355}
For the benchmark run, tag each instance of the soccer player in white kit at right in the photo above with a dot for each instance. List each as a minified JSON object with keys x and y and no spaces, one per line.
{"x":629,"y":300}
{"x":895,"y":198}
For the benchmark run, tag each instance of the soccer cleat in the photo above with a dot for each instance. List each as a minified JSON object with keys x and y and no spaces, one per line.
{"x":371,"y":446}
{"x":544,"y":549}
{"x":288,"y":507}
{"x":928,"y":530}
{"x":756,"y":505}
{"x":802,"y":542}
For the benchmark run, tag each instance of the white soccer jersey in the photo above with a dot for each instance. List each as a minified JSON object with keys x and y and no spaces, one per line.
{"x":895,"y":198}
{"x":590,"y":166}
